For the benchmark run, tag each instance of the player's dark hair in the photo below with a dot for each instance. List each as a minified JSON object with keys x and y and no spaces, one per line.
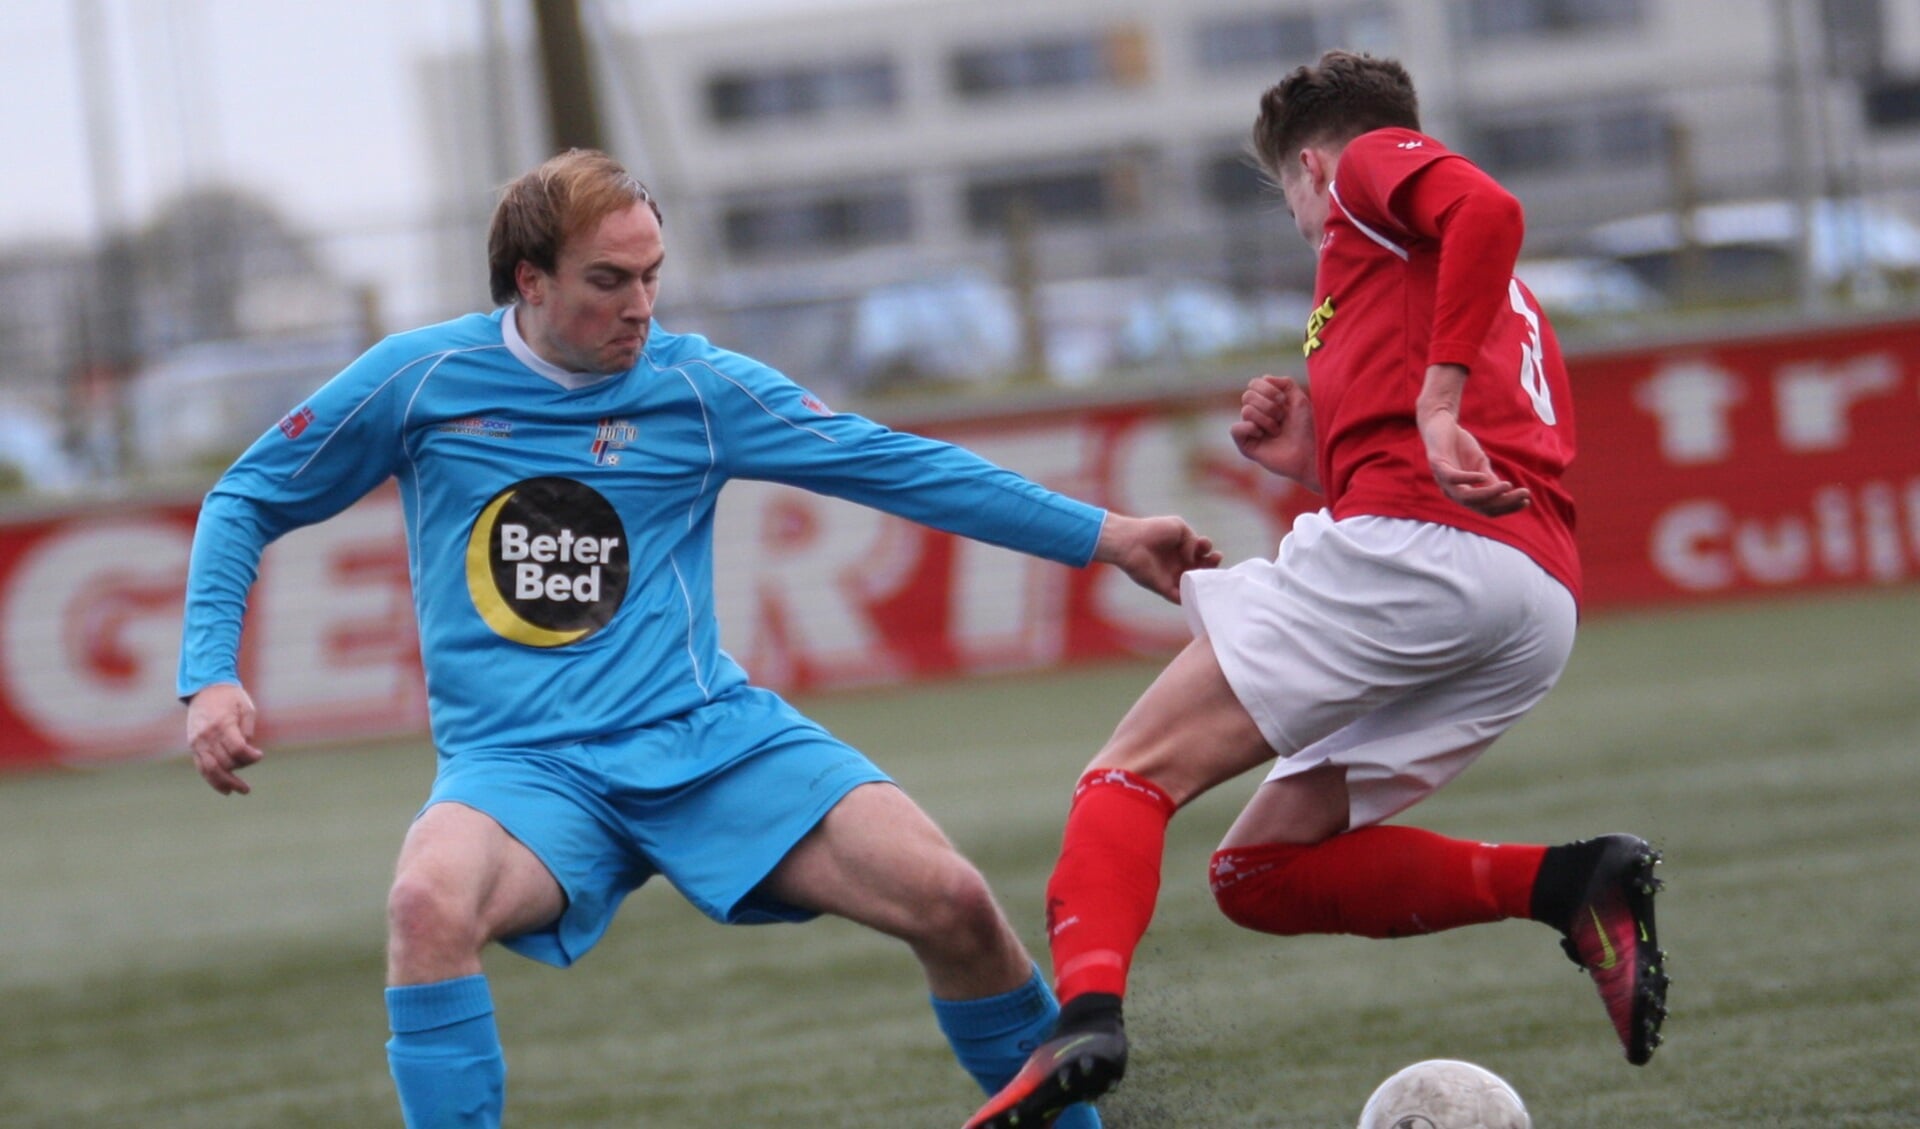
{"x":1332,"y":101}
{"x":543,"y":208}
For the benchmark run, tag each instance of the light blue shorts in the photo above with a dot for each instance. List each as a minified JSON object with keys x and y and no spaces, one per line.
{"x":597,"y":816}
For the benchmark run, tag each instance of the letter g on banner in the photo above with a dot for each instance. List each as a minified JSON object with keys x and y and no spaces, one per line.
{"x":90,"y":636}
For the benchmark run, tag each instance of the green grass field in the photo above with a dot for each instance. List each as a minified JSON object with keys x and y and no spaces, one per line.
{"x":176,"y":959}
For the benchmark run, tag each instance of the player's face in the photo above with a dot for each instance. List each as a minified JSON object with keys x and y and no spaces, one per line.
{"x":593,"y":312}
{"x":1306,"y":201}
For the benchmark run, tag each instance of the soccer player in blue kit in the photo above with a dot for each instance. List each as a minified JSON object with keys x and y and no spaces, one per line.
{"x":559,"y":461}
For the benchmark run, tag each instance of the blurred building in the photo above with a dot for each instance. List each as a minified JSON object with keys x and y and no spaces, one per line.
{"x":874,"y":194}
{"x":822,"y":158}
{"x":809,"y":153}
{"x":166,"y":346}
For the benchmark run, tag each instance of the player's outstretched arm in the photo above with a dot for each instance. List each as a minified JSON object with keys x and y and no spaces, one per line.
{"x":1459,"y":465}
{"x":1154,"y":551}
{"x":220,"y":722}
{"x":1275,"y":429}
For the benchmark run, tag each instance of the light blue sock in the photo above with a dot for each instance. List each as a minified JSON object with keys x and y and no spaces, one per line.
{"x":993,"y":1036}
{"x":445,"y":1054}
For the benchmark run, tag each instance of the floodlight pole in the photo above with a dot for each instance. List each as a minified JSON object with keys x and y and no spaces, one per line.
{"x":573,"y":113}
{"x":1799,"y":34}
{"x":108,"y":341}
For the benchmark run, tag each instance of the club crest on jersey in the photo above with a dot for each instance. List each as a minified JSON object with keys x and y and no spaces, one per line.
{"x":296,"y":422}
{"x":547,"y":562}
{"x":1316,"y":321}
{"x":610,"y":437}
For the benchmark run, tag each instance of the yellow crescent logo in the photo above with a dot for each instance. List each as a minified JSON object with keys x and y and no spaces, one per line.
{"x":486,"y":595}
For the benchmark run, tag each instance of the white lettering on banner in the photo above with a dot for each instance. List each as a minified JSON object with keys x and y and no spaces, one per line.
{"x":1913,"y":515}
{"x":1691,"y":402}
{"x":1010,"y":609}
{"x":1772,"y":554}
{"x":1880,"y":525}
{"x":90,"y":636}
{"x":790,"y":571}
{"x":1849,"y":533}
{"x":1188,"y":465}
{"x":1833,"y":521}
{"x":1811,"y":400}
{"x":334,"y":644}
{"x":1687,"y":546}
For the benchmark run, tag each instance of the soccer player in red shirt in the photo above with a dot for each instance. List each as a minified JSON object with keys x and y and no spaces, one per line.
{"x":1396,"y":634}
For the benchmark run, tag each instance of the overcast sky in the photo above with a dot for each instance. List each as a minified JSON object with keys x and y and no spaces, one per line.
{"x":316,"y":105}
{"x":311,"y":104}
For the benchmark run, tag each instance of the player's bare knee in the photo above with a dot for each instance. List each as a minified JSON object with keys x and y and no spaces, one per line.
{"x":961,"y":918}
{"x":425,"y":923}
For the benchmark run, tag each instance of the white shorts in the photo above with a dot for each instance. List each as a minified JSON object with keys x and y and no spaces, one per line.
{"x":1399,"y":649}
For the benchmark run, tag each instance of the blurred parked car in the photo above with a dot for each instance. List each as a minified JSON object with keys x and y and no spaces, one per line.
{"x":966,"y":327}
{"x":1747,"y":248}
{"x":1586,"y":287}
{"x":205,"y":403}
{"x":31,"y":454}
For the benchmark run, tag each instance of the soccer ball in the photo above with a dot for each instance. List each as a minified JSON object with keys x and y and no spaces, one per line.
{"x":1442,"y":1093}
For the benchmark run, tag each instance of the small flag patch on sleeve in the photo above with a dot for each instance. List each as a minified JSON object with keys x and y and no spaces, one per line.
{"x":296,"y":422}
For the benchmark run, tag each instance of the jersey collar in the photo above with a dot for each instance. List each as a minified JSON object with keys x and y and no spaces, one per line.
{"x":523,"y":352}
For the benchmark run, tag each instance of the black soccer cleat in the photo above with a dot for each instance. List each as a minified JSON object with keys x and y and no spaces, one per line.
{"x":1609,"y":932}
{"x":1069,"y":1068}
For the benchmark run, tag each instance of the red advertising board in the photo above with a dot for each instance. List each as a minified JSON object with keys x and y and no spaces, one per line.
{"x":813,"y":593}
{"x":1709,"y":470}
{"x":1740,"y":468}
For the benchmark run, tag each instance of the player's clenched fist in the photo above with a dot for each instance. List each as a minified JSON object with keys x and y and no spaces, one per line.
{"x":1275,"y":429}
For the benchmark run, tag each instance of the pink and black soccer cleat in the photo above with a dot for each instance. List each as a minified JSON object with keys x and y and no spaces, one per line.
{"x":1066,"y":1069}
{"x":1610,"y":934}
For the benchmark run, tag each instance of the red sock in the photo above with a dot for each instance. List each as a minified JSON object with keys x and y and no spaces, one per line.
{"x":1374,"y":882}
{"x":1101,"y":895}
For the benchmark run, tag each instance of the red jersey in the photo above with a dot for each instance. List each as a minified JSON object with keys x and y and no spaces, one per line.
{"x":1417,"y":270}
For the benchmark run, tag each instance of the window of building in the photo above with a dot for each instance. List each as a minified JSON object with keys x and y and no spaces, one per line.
{"x":1893,"y":103}
{"x":1085,"y":191}
{"x":1028,"y":66}
{"x":1503,"y":18}
{"x":1526,"y":146}
{"x":1231,"y":180}
{"x":1630,"y":135}
{"x":794,"y":92}
{"x":1115,"y":56}
{"x":1076,"y":195}
{"x":1270,"y":39}
{"x":1570,"y":138}
{"x":818,"y":222}
{"x":1258,"y":40}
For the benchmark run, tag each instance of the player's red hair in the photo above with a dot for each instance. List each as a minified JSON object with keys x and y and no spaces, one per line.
{"x":542,"y":209}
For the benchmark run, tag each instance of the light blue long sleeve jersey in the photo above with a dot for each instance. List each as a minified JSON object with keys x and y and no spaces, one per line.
{"x":560,"y":526}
